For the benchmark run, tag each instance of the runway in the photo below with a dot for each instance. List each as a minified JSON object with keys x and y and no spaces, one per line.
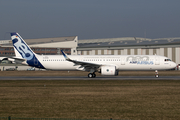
{"x":86,"y":78}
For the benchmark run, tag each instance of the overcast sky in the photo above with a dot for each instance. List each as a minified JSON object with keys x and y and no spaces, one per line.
{"x":90,"y":19}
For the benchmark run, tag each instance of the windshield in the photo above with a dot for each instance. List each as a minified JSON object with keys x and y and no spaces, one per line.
{"x":167,"y":59}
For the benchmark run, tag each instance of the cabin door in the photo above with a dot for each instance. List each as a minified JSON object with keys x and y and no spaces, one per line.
{"x":157,"y":62}
{"x":122,"y":61}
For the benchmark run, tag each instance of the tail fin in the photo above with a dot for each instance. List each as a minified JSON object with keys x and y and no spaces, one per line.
{"x":22,"y":50}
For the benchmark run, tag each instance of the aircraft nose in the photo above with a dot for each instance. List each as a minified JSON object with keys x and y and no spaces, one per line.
{"x":173,"y":64}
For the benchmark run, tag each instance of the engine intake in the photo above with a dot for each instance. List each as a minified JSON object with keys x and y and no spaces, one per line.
{"x":109,"y":70}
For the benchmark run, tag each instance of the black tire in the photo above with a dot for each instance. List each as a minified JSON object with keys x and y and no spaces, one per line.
{"x":94,"y":75}
{"x":156,"y":76}
{"x":90,"y":75}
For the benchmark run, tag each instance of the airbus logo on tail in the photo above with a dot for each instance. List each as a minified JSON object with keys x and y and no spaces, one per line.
{"x":22,"y":48}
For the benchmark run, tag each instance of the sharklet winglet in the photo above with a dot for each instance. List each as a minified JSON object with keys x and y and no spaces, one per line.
{"x":65,"y":55}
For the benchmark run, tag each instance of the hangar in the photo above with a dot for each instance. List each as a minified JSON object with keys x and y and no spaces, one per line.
{"x":47,"y":46}
{"x":169,"y":47}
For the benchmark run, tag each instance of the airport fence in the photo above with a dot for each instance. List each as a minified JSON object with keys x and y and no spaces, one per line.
{"x":18,"y":118}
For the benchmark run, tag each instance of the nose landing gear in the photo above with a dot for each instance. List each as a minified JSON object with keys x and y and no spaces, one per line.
{"x":156,"y":74}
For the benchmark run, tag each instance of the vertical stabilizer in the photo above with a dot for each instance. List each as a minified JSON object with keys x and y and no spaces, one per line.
{"x":22,"y":50}
{"x":17,"y":53}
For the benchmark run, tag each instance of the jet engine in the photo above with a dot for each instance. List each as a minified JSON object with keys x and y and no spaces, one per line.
{"x":109,"y":70}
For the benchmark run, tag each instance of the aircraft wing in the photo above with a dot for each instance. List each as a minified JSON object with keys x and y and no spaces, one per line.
{"x":88,"y":66}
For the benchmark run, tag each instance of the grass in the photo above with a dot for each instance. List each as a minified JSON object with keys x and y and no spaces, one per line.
{"x":144,"y":99}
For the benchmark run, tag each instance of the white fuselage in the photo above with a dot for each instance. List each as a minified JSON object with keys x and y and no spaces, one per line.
{"x":105,"y":64}
{"x":122,"y":62}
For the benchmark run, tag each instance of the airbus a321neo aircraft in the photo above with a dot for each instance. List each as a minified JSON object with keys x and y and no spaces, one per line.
{"x":105,"y":64}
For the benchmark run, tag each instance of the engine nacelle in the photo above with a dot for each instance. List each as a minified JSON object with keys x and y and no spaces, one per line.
{"x":109,"y":70}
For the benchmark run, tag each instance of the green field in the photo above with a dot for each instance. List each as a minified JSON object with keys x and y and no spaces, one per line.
{"x":145,"y":99}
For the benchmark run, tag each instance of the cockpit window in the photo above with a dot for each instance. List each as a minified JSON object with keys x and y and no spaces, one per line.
{"x":167,"y":59}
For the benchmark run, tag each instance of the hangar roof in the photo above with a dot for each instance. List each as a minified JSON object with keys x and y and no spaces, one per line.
{"x":49,"y":40}
{"x":129,"y":41}
{"x":107,"y":42}
{"x":111,"y":40}
{"x":41,"y":40}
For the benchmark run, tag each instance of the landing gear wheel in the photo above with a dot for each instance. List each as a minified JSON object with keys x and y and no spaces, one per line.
{"x":90,"y":75}
{"x":94,"y":75}
{"x":156,"y":76}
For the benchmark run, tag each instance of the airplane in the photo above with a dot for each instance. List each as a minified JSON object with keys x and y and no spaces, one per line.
{"x":104,"y":64}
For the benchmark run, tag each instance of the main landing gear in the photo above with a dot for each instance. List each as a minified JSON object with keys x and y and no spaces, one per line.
{"x":91,"y":75}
